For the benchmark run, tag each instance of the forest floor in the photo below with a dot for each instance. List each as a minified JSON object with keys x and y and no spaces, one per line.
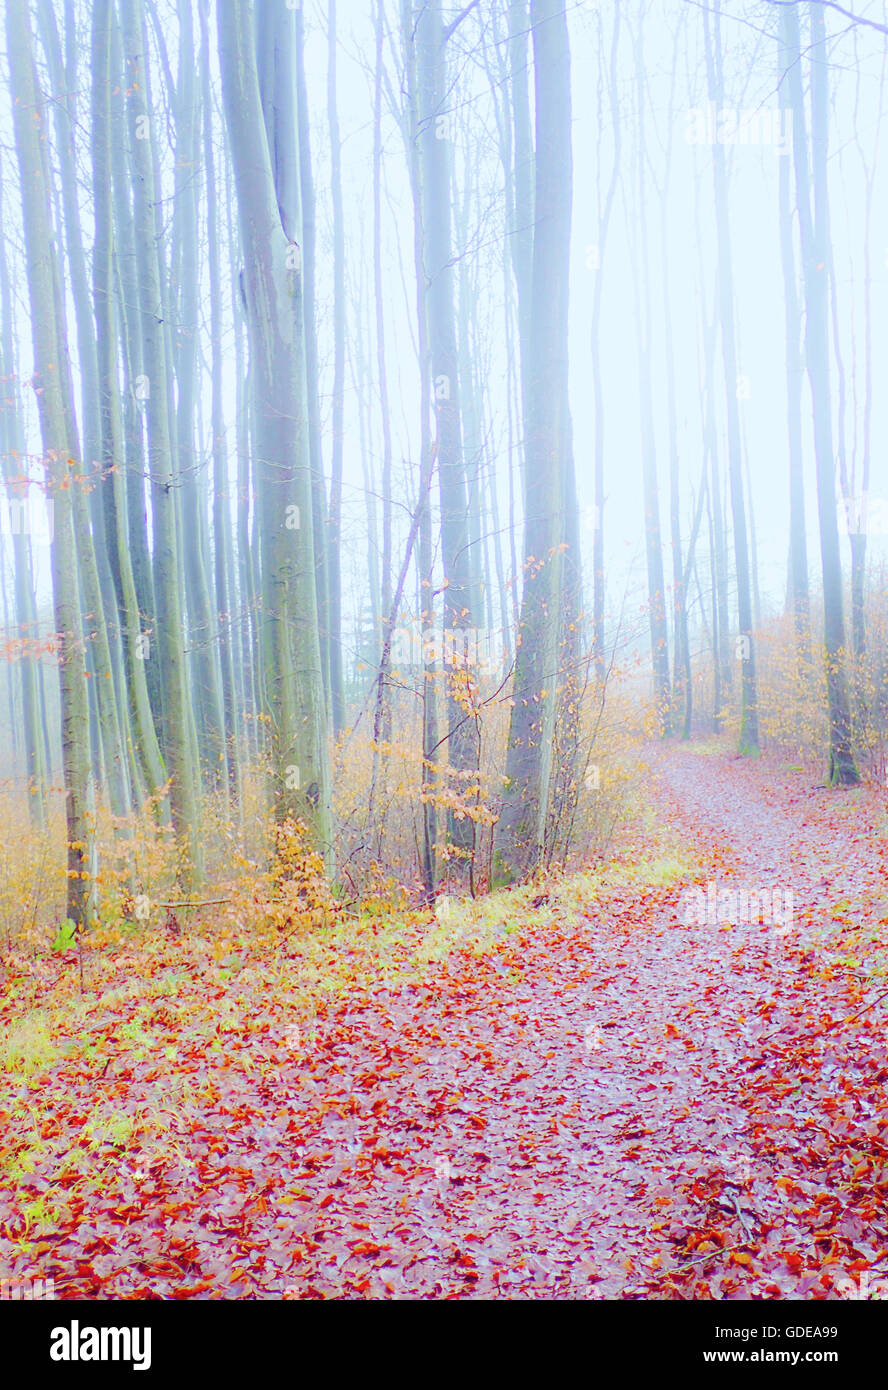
{"x":581,"y":1094}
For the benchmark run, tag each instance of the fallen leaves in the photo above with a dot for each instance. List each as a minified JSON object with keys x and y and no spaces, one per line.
{"x":605,"y":1103}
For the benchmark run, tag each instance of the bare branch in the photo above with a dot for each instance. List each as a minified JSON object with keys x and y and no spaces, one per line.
{"x":454,"y":25}
{"x":833,"y":5}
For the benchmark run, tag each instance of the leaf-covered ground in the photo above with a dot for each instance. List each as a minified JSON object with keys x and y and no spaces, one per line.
{"x":563,"y":1093}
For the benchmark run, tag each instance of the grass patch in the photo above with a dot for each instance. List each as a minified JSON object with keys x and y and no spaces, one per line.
{"x":706,"y":747}
{"x":27,"y":1047}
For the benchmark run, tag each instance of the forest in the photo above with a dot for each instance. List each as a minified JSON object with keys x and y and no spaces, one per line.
{"x":444,"y":695}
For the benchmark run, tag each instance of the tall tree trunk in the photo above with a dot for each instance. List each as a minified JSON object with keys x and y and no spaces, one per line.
{"x":309,"y":263}
{"x":521,"y":180}
{"x":652,"y":533}
{"x":259,"y":98}
{"x":795,"y":368}
{"x":604,"y":219}
{"x":389,"y":615}
{"x":49,"y":382}
{"x":334,"y":524}
{"x":814,"y":226}
{"x":520,"y":830}
{"x":204,"y":665}
{"x":146,"y":761}
{"x":223,"y":576}
{"x":749,"y":735}
{"x":135,"y":386}
{"x":177,"y":742}
{"x":18,"y":487}
{"x":857,"y":496}
{"x":106,"y":691}
{"x":64,"y":77}
{"x":433,"y":135}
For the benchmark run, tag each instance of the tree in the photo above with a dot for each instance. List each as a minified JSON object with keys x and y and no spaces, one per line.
{"x":433,"y":135}
{"x":605,"y":210}
{"x":177,"y":734}
{"x":50,"y":351}
{"x":309,"y":257}
{"x":204,"y":667}
{"x":223,"y":569}
{"x":334,"y":523}
{"x":147,"y":763}
{"x":18,"y":486}
{"x":814,"y":233}
{"x":795,"y":367}
{"x":749,"y":734}
{"x":256,"y":55}
{"x":520,"y":831}
{"x":652,"y":533}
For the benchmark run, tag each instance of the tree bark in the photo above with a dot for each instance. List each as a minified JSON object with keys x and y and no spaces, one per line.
{"x":177,"y":740}
{"x":49,"y":383}
{"x":259,"y":99}
{"x":519,"y":838}
{"x":749,"y":735}
{"x":814,"y":227}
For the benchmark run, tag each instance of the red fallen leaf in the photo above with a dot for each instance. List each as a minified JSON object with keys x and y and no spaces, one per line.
{"x":478,"y":1121}
{"x":191,"y":1290}
{"x":325,"y":1201}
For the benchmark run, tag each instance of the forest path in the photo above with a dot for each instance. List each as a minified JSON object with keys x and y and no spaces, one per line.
{"x":608,"y":1109}
{"x":616,"y":1100}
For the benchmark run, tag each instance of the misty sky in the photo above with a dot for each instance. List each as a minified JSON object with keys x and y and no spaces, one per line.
{"x":679,"y":126}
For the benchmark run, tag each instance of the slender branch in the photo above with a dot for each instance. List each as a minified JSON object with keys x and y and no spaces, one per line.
{"x":454,"y":25}
{"x":209,"y":902}
{"x":818,"y":1032}
{"x":833,"y":5}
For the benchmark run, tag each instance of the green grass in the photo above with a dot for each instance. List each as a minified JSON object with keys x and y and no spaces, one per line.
{"x":28,"y":1047}
{"x":707,"y":747}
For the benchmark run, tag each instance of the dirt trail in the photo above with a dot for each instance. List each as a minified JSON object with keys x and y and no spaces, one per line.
{"x":593,"y":1124}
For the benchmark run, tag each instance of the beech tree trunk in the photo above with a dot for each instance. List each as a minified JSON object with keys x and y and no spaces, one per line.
{"x":50,"y":351}
{"x":814,"y":228}
{"x":519,"y":839}
{"x":256,"y":54}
